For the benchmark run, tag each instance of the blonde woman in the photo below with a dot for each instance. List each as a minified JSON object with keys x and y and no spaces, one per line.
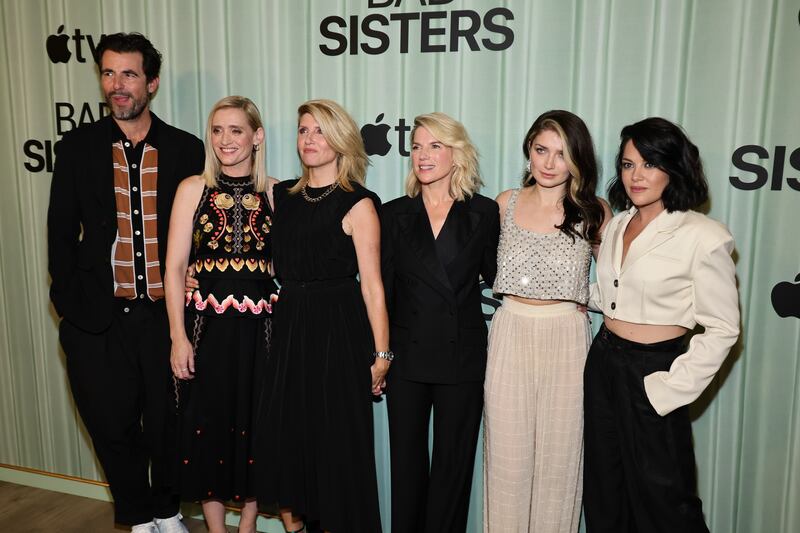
{"x":221,"y":332}
{"x":331,"y":349}
{"x":533,"y":424}
{"x":437,"y":242}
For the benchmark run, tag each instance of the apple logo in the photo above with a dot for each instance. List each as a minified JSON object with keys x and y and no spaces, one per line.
{"x":375,"y":137}
{"x":57,"y":47}
{"x":786,"y":298}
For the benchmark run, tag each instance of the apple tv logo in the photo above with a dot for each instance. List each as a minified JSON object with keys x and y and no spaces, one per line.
{"x":57,"y":46}
{"x":376,"y":136}
{"x":786,"y":298}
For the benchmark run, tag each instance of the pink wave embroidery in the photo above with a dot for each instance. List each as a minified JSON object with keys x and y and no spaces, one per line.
{"x":246,"y":305}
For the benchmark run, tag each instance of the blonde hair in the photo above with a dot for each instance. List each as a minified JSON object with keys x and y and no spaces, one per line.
{"x":343,"y":136}
{"x":212,"y":168}
{"x":466,"y":179}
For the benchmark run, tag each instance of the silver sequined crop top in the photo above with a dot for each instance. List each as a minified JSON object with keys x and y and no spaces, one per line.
{"x":544,"y":266}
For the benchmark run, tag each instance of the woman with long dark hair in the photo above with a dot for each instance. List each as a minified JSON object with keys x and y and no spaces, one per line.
{"x":663,"y":268}
{"x":533,"y":422}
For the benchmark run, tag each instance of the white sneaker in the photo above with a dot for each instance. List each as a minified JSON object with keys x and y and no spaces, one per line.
{"x":170,"y":525}
{"x":148,"y":527}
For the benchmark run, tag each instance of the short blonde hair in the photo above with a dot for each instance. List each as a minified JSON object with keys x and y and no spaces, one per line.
{"x":343,"y":136}
{"x":466,"y":178}
{"x":212,"y":168}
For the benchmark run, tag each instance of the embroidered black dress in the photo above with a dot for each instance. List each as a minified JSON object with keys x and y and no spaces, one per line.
{"x":315,"y":439}
{"x":228,"y":321}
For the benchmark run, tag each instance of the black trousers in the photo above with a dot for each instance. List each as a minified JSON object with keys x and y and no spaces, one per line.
{"x":121,"y":383}
{"x":432,"y":495}
{"x":639,"y":468}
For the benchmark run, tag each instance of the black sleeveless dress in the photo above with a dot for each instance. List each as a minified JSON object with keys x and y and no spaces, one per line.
{"x":228,"y":321}
{"x":315,"y":432}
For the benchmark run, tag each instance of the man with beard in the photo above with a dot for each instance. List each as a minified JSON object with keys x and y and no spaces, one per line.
{"x":110,"y":201}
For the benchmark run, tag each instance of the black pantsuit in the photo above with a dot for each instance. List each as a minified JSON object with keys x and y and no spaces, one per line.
{"x":125,"y":367}
{"x":639,"y":468}
{"x":443,"y":483}
{"x":438,"y":335}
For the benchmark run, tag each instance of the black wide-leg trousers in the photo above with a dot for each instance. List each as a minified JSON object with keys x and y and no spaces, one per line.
{"x":639,"y":473}
{"x":121,"y":383}
{"x":431,"y":496}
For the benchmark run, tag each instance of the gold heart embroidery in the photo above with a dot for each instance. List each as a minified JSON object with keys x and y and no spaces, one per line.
{"x":237,"y":263}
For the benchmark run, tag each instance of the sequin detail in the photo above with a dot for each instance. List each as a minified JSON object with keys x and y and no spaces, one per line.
{"x":545,"y":266}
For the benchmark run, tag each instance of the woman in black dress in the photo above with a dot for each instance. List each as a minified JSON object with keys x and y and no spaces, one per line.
{"x":331,"y":350}
{"x":221,"y":330}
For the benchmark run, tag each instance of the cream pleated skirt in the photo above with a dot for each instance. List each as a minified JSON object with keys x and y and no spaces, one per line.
{"x":533,"y":418}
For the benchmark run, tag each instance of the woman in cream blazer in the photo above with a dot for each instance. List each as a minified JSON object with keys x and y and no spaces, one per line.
{"x":662,"y":269}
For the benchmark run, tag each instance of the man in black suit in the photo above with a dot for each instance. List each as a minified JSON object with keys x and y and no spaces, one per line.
{"x":110,"y":201}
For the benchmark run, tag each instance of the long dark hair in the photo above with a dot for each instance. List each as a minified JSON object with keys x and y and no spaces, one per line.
{"x":580,"y":202}
{"x":665,"y":145}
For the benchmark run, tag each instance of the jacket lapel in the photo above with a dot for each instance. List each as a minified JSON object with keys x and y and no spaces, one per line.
{"x":101,"y":167}
{"x":659,"y":231}
{"x":416,"y":228}
{"x":465,"y":222}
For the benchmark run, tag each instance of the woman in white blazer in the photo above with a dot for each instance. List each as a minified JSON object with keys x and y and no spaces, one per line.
{"x":662,"y":269}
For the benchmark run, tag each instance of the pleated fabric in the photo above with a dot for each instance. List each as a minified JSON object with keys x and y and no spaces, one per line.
{"x":533,"y":418}
{"x":314,"y":437}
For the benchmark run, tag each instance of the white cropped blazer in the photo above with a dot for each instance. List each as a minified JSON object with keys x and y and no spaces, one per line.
{"x":678,"y":271}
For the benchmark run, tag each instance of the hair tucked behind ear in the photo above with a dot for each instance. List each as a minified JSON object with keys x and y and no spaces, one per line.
{"x":665,"y":145}
{"x":583,"y":212}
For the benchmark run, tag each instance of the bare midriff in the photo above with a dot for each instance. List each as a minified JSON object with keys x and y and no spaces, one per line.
{"x":532,"y":301}
{"x":643,"y":333}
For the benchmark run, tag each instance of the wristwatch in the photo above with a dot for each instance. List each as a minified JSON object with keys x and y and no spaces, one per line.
{"x":384,"y":355}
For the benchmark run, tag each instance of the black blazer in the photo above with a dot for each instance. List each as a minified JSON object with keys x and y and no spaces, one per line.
{"x":437,"y":330}
{"x":82,"y":218}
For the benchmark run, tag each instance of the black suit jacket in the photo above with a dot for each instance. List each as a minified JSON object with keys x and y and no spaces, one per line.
{"x":437,"y":330}
{"x":82,"y":218}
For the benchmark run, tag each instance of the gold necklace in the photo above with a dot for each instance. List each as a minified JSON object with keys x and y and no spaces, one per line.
{"x":311,"y":199}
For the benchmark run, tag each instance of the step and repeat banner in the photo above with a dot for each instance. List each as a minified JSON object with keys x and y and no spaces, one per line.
{"x":727,"y":70}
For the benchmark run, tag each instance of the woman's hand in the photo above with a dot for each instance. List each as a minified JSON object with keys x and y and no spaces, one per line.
{"x":181,"y":359}
{"x":379,"y":369}
{"x":190,"y":282}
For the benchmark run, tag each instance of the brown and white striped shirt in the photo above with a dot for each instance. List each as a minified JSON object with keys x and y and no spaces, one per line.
{"x":134,"y":256}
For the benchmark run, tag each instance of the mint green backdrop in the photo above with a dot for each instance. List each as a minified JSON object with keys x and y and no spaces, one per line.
{"x":727,"y":70}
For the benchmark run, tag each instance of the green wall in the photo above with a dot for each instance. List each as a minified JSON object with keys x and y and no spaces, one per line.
{"x":727,"y":70}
